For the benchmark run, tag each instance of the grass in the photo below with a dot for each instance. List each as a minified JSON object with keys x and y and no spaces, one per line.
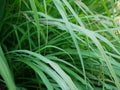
{"x":60,"y":44}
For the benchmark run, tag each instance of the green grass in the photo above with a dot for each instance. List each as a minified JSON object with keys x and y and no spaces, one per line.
{"x":59,"y":45}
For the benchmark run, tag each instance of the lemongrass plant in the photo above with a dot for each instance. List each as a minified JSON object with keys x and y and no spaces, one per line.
{"x":59,"y":45}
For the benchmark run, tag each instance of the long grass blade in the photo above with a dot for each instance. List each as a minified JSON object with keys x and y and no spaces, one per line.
{"x":5,"y":72}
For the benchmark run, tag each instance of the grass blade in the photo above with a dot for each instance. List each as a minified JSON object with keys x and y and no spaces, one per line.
{"x":5,"y":72}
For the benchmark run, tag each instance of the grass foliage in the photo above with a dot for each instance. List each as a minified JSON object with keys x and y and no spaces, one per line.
{"x":59,"y":44}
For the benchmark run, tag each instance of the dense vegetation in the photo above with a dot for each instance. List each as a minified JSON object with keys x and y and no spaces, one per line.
{"x":59,"y":44}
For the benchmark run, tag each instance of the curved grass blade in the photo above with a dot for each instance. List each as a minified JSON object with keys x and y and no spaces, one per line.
{"x":55,"y":67}
{"x":69,"y":28}
{"x":5,"y":72}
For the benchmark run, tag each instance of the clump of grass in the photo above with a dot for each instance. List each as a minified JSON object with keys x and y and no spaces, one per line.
{"x":60,"y":44}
